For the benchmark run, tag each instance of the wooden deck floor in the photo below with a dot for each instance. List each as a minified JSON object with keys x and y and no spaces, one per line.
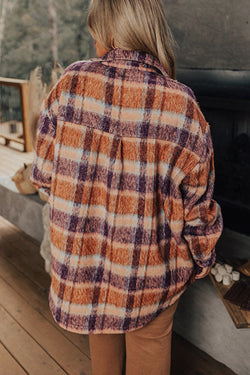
{"x":32,"y":343}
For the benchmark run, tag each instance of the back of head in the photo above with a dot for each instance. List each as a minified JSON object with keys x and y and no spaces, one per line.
{"x":139,"y":25}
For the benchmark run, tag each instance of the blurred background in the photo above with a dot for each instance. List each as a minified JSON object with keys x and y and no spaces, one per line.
{"x":36,"y":33}
{"x":210,"y":34}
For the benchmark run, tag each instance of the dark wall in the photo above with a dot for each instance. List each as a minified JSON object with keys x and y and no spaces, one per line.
{"x":211,"y":34}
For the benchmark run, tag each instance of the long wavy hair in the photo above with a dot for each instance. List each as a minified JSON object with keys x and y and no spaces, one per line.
{"x":133,"y":25}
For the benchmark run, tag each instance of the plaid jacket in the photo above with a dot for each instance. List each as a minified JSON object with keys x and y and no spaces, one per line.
{"x":126,"y":157}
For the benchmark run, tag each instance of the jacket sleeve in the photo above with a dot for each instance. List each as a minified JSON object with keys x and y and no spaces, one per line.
{"x":42,"y":166}
{"x":202,"y":215}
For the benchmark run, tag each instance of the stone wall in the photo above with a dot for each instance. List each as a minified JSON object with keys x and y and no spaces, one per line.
{"x":211,"y":34}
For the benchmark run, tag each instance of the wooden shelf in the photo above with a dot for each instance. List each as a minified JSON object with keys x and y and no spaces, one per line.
{"x":241,"y":318}
{"x":8,"y":138}
{"x":22,"y":86}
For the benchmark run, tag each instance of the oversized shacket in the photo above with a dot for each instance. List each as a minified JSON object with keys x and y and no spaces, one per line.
{"x":126,"y":158}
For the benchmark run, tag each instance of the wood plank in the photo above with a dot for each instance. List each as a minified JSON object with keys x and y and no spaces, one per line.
{"x":24,"y":286}
{"x":8,"y":365}
{"x":241,"y":318}
{"x":27,"y":352}
{"x":44,"y":333}
{"x":25,"y":109}
{"x":24,"y":264}
{"x":39,"y":300}
{"x":35,"y":293}
{"x":10,"y":233}
{"x":27,"y":263}
{"x":12,"y":81}
{"x":23,"y":251}
{"x":13,"y":146}
{"x":12,"y":138}
{"x":245,"y":268}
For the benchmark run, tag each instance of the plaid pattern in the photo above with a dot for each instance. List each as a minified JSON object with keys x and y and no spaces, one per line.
{"x":126,"y":157}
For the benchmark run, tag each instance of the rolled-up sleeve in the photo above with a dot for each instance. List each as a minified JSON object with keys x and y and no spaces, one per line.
{"x":203,"y":222}
{"x":42,"y":167}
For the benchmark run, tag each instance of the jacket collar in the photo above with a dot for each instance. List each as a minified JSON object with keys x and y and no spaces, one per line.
{"x":136,"y":56}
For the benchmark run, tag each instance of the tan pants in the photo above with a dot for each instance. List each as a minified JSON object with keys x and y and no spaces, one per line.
{"x":145,"y":351}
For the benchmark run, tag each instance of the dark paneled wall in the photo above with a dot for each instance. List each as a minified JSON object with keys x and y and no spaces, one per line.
{"x":211,"y":34}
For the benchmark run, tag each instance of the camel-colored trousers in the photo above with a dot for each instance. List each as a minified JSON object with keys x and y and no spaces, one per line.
{"x":145,"y":351}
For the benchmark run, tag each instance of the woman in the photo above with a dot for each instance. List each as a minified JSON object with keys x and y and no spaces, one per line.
{"x":125,"y":156}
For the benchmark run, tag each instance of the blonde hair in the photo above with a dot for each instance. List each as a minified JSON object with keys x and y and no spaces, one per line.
{"x":133,"y":25}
